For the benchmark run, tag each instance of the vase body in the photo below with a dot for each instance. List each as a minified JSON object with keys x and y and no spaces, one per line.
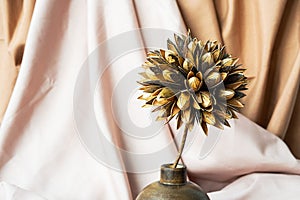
{"x":172,"y":185}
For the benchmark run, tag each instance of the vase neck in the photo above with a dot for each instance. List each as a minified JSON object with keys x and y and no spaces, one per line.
{"x":173,"y":176}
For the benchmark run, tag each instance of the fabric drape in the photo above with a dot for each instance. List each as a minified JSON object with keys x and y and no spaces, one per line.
{"x":15,"y":17}
{"x":265,"y":35}
{"x":48,"y":149}
{"x":270,"y":31}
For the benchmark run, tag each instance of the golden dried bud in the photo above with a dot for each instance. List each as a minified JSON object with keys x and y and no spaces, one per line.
{"x":195,"y":83}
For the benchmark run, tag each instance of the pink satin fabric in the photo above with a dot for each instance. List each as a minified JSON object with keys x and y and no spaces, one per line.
{"x":42,"y":154}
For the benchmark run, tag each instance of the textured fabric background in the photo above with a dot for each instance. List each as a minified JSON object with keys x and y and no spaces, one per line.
{"x":41,"y":153}
{"x":265,"y":35}
{"x":15,"y":18}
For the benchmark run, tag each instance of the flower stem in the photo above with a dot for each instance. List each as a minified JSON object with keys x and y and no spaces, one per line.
{"x":181,"y":147}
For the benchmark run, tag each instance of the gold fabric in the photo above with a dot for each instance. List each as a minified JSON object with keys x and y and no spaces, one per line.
{"x":263,"y":34}
{"x":15,"y":18}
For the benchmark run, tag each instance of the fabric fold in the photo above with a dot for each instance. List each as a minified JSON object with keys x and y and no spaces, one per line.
{"x":74,"y":128}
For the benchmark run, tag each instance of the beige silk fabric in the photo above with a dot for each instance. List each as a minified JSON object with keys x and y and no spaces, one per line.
{"x":43,"y":151}
{"x":15,"y":17}
{"x":265,"y":35}
{"x":267,"y":29}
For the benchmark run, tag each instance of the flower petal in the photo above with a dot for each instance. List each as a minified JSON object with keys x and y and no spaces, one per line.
{"x":228,"y":93}
{"x":208,"y":57}
{"x":204,"y":127}
{"x":174,"y":110}
{"x":187,"y":65}
{"x":209,"y":118}
{"x":213,"y":78}
{"x":186,"y":115}
{"x":235,"y":103}
{"x":206,"y":100}
{"x":183,"y":101}
{"x":179,"y":121}
{"x":171,"y":46}
{"x":165,"y":93}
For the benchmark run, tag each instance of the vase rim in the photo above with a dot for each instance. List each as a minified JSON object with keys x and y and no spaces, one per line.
{"x":178,"y":167}
{"x":173,"y":176}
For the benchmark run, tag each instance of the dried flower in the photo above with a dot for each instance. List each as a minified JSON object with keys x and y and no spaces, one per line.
{"x":193,"y":81}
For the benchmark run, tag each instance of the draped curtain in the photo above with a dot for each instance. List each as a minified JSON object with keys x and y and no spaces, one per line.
{"x":42,"y":47}
{"x":263,"y":34}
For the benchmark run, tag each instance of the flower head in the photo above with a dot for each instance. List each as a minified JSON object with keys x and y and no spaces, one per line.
{"x":193,"y":82}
